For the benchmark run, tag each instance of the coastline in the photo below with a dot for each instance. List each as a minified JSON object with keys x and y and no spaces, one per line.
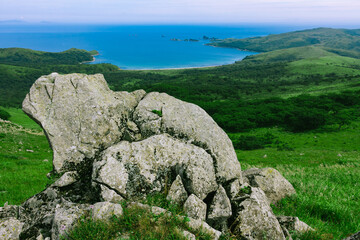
{"x":93,"y":60}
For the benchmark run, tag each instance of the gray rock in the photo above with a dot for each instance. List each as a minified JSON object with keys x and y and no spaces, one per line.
{"x":188,"y":235}
{"x":10,"y":229}
{"x":271,"y":182}
{"x":219,"y":210}
{"x":199,"y":225}
{"x":104,"y":211}
{"x":177,"y":192}
{"x":109,"y":195}
{"x":294,"y":224}
{"x":187,"y":121}
{"x":66,"y":179}
{"x":66,"y":217}
{"x":255,"y":219}
{"x":138,"y":168}
{"x":195,"y":208}
{"x":79,"y":114}
{"x":233,"y":188}
{"x":355,"y":236}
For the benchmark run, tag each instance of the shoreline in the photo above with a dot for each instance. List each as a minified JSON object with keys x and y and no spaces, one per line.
{"x":93,"y":60}
{"x":180,"y":68}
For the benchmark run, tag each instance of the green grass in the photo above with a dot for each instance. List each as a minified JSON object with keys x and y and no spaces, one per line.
{"x":324,"y":168}
{"x":18,"y":117}
{"x":137,"y":223}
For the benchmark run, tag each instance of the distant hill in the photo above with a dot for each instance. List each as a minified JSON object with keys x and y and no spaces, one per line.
{"x":344,"y":39}
{"x":26,"y":57}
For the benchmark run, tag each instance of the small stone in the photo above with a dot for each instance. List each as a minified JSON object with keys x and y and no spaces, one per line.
{"x":29,"y":150}
{"x":66,"y":179}
{"x":104,"y":211}
{"x":194,"y":207}
{"x":45,"y":160}
{"x":294,"y":224}
{"x":177,"y":192}
{"x":220,"y":209}
{"x":188,"y":235}
{"x":271,"y":182}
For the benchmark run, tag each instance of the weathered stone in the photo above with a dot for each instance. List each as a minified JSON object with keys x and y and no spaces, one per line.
{"x":79,"y":114}
{"x":10,"y":229}
{"x":233,"y":188}
{"x":195,"y":208}
{"x":109,"y":195}
{"x":177,"y":192}
{"x":255,"y":219}
{"x":66,"y":179}
{"x":187,"y":235}
{"x":293,"y":224}
{"x":104,"y":211}
{"x":199,"y":225}
{"x":271,"y":182}
{"x":9,"y":211}
{"x":66,"y":218}
{"x":190,"y":122}
{"x":355,"y":236}
{"x":138,"y":168}
{"x":219,"y":210}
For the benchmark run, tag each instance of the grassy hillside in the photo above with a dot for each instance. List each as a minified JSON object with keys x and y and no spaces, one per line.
{"x":295,"y":108}
{"x":334,"y":38}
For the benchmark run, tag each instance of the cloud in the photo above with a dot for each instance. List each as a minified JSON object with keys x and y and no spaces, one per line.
{"x":168,"y":11}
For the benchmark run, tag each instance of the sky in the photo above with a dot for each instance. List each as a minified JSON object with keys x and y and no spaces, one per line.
{"x":331,"y":12}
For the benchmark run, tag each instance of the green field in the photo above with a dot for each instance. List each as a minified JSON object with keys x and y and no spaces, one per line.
{"x":311,"y":79}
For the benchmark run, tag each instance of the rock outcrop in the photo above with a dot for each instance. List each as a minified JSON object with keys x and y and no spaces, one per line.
{"x":114,"y":146}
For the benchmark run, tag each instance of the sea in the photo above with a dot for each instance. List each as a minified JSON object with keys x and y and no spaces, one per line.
{"x":135,"y":47}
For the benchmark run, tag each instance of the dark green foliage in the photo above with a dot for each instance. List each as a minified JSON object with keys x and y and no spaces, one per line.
{"x":334,"y":38}
{"x":4,"y":115}
{"x":246,"y":142}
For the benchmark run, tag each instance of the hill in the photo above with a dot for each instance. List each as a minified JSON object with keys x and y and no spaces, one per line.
{"x":344,"y":39}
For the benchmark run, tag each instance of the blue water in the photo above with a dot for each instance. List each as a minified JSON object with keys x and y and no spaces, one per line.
{"x":137,"y":47}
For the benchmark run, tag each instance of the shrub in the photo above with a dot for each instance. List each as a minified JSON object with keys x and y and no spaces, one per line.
{"x":4,"y":114}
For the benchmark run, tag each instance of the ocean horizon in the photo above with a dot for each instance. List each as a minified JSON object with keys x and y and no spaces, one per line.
{"x":138,"y":47}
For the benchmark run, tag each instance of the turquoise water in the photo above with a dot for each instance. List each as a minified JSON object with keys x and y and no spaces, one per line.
{"x":137,"y":47}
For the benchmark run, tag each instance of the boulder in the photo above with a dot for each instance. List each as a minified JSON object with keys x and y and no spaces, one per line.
{"x":189,"y":122}
{"x":135,"y":169}
{"x":80,"y":115}
{"x":270,"y":181}
{"x":177,"y":192}
{"x":255,"y":219}
{"x":195,"y":208}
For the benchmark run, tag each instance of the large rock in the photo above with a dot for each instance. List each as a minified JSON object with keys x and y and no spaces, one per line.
{"x":255,"y":219}
{"x":79,"y":114}
{"x":190,"y":122}
{"x":293,"y":224}
{"x":270,"y":181}
{"x":138,"y":168}
{"x":355,"y":236}
{"x":113,"y":146}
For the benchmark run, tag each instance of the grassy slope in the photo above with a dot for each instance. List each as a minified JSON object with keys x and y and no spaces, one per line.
{"x":324,"y":168}
{"x":333,"y":38}
{"x":25,"y":157}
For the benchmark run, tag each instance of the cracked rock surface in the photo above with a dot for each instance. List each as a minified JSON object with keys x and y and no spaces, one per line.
{"x":113,"y":146}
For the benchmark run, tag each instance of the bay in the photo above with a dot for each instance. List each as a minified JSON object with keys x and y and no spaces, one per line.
{"x":138,"y":46}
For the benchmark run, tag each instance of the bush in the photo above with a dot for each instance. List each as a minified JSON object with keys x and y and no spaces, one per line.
{"x":4,"y":114}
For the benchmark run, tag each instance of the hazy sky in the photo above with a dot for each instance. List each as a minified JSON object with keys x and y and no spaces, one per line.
{"x":183,"y":11}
